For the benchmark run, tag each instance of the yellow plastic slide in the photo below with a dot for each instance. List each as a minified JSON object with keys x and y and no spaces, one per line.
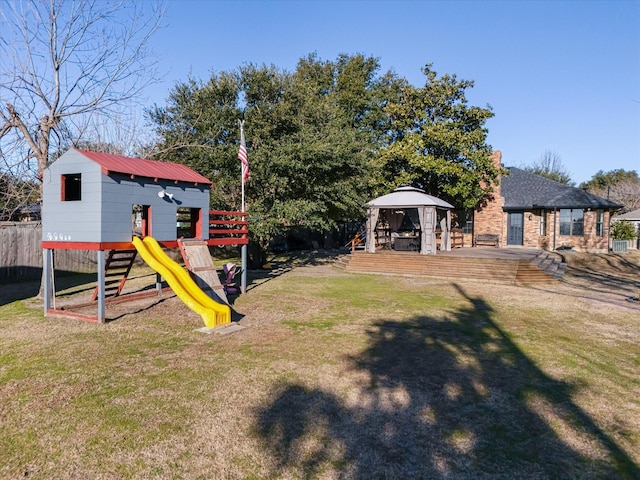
{"x":213,"y":314}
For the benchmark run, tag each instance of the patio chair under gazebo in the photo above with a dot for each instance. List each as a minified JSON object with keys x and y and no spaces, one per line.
{"x":410,"y":222}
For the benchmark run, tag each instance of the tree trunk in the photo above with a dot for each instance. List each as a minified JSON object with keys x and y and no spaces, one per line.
{"x":257,"y":255}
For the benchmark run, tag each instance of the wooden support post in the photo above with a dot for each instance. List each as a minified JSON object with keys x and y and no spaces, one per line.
{"x":47,"y":271}
{"x":101,"y":280}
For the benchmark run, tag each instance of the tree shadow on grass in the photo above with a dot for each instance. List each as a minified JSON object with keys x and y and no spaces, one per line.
{"x":281,"y":264}
{"x":23,"y":290}
{"x":449,"y":397}
{"x":619,"y":275}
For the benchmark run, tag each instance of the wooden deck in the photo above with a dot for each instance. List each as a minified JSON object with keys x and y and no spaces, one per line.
{"x":500,"y":265}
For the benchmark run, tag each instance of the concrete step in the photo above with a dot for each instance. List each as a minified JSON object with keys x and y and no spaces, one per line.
{"x":549,"y":263}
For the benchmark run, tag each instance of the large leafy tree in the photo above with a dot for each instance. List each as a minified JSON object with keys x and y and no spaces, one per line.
{"x":437,"y":142}
{"x":315,"y":166}
{"x":199,"y":128}
{"x":310,"y":136}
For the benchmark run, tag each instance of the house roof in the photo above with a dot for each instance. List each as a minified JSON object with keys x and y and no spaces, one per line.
{"x":632,"y":215}
{"x":408,"y":197}
{"x":524,"y":190}
{"x":111,"y":163}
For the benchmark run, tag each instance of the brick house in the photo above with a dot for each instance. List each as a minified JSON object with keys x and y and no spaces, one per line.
{"x":532,"y":211}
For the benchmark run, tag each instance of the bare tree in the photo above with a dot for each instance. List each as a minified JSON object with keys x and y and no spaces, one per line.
{"x":550,"y":166}
{"x":625,"y":192}
{"x":618,"y":185}
{"x":123,"y":136}
{"x":63,"y":64}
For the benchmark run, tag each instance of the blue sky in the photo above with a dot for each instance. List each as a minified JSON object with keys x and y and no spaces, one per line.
{"x":560,"y":76}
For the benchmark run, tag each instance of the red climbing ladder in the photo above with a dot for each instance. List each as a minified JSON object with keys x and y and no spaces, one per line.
{"x":117,"y":268}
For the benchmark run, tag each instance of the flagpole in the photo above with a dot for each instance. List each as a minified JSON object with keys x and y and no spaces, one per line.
{"x":241,"y":122}
{"x":242,"y":208}
{"x":243,"y":249}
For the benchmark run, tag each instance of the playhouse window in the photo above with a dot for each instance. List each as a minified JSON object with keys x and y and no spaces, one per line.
{"x":71,"y":185}
{"x":140,"y":220}
{"x":189,"y":224}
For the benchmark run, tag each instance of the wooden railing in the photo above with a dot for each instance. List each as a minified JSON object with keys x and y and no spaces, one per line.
{"x":456,"y":236}
{"x":228,"y":228}
{"x":357,"y":240}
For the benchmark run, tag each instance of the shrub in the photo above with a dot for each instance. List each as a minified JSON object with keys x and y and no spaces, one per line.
{"x":623,"y":230}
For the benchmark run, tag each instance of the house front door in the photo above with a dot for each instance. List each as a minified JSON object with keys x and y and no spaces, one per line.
{"x":515,"y":224}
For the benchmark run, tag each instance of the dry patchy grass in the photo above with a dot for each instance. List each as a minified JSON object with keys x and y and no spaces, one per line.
{"x":335,"y":376}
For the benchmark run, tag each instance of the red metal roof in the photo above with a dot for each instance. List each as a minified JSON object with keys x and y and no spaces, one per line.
{"x":145,"y":168}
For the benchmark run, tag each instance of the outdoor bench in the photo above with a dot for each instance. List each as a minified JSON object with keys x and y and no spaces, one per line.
{"x":490,"y":239}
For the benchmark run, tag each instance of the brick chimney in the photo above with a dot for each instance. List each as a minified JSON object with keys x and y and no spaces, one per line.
{"x":489,"y":217}
{"x":496,"y":157}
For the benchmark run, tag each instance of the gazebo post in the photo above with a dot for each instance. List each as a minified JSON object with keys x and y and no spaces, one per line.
{"x":427,"y":215}
{"x":372,"y":220}
{"x":448,"y":230}
{"x":445,"y":229}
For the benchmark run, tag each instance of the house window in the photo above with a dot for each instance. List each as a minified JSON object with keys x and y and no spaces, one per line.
{"x":600,"y":222}
{"x":71,"y":187}
{"x":543,"y":223}
{"x":572,"y":222}
{"x":465,"y":220}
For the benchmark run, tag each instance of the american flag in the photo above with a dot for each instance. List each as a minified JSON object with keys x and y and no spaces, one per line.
{"x":244,"y":159}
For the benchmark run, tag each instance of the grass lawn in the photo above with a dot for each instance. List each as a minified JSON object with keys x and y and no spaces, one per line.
{"x":335,"y":376}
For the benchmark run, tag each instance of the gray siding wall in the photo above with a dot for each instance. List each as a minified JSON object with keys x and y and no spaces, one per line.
{"x":121,"y":193}
{"x":104,"y":214}
{"x":74,"y":221}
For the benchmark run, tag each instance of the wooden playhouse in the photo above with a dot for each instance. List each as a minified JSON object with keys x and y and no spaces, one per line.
{"x":110,"y":203}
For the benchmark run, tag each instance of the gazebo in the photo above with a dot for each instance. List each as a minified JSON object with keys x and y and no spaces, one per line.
{"x":409,"y":222}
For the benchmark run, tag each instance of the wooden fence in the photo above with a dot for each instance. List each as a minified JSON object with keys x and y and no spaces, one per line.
{"x":21,"y":254}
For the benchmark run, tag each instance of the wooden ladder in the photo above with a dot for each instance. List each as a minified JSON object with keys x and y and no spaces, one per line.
{"x":117,"y":268}
{"x":200,"y":265}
